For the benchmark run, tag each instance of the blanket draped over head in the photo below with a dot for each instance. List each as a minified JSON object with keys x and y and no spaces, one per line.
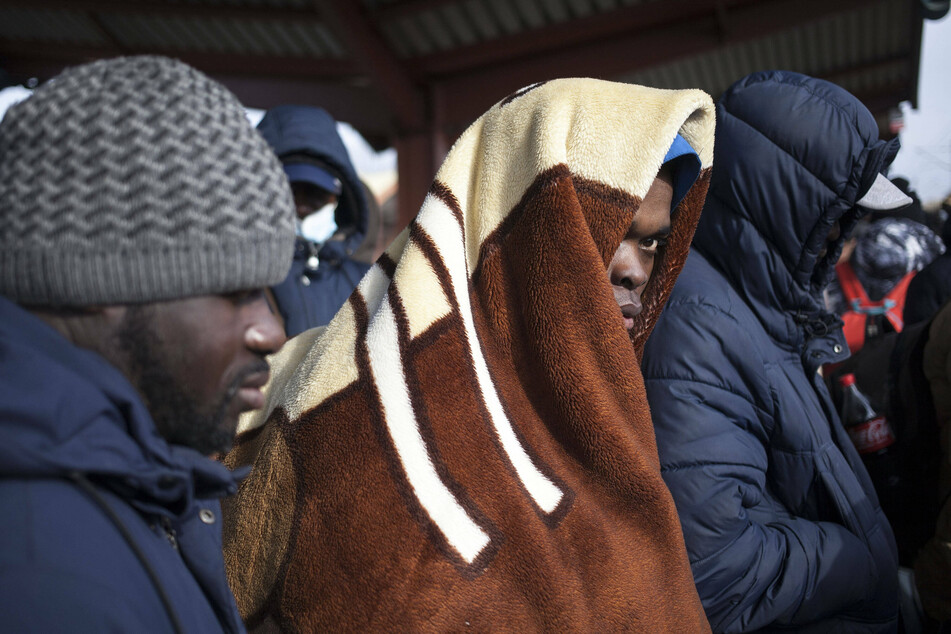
{"x":468,"y":443}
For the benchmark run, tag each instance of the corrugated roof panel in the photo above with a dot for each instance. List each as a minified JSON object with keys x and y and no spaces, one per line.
{"x":290,"y":38}
{"x":865,"y":33}
{"x":263,"y":39}
{"x":459,"y":23}
{"x":414,"y":37}
{"x":294,"y":38}
{"x":249,"y":38}
{"x":481,"y":19}
{"x":436,"y":29}
{"x":131,"y":31}
{"x":654,"y":77}
{"x":320,"y":41}
{"x":870,"y":79}
{"x":806,"y":49}
{"x":558,"y":11}
{"x":198,"y":34}
{"x":453,"y":25}
{"x":530,"y":13}
{"x":505,"y":15}
{"x":581,"y":8}
{"x":555,"y":10}
{"x":758,"y":50}
{"x":707,"y":68}
{"x":834,"y":43}
{"x":52,"y":26}
{"x":137,"y":32}
{"x":260,"y":4}
{"x":826,"y":46}
{"x":894,"y":25}
{"x":393,"y":34}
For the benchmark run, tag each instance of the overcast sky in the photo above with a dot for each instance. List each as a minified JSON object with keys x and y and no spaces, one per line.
{"x":925,"y":157}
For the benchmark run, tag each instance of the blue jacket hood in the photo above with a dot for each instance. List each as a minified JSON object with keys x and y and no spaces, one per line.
{"x":778,"y":188}
{"x":60,"y":408}
{"x":291,"y":129}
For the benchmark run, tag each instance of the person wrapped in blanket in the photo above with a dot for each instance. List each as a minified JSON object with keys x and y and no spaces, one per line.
{"x":468,"y":443}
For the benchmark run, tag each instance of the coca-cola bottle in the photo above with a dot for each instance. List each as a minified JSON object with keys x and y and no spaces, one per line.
{"x":873,"y":438}
{"x":869,"y":431}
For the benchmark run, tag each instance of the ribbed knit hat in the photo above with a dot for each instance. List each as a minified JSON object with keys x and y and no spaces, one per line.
{"x":137,"y":179}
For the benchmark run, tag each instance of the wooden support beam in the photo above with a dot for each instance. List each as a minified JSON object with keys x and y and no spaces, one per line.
{"x":17,"y":57}
{"x":636,"y":19}
{"x":374,"y":56}
{"x":405,"y":8}
{"x":363,"y":107}
{"x":417,"y":167}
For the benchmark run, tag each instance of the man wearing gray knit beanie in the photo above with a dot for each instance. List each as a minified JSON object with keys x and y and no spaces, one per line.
{"x":141,"y":219}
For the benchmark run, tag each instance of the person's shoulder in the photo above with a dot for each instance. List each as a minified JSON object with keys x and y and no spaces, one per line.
{"x":701,"y":287}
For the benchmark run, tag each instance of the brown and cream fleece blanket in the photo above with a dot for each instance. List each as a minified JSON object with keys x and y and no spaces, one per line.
{"x":468,"y":443}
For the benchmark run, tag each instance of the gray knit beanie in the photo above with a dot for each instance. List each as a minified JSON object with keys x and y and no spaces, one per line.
{"x":137,"y":179}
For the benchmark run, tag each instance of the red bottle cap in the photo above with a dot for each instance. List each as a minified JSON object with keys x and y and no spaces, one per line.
{"x":846,"y":380}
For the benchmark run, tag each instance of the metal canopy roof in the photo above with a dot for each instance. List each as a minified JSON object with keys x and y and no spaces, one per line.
{"x":414,"y":73}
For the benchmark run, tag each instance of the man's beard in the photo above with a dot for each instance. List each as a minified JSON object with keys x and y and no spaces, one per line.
{"x":178,"y":418}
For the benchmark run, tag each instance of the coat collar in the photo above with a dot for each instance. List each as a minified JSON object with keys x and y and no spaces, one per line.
{"x":66,"y":409}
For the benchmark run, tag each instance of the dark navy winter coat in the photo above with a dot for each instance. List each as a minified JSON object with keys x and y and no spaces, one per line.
{"x":92,"y":499}
{"x":309,"y":296}
{"x":781,"y":523}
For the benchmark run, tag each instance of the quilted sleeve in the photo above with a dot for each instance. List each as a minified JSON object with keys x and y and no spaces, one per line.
{"x":754,"y":563}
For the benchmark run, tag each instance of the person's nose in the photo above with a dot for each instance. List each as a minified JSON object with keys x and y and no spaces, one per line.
{"x":265,"y":333}
{"x":627,"y":270}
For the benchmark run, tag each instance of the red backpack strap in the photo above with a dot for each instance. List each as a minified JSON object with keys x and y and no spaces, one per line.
{"x":852,"y":290}
{"x":896,"y":297}
{"x":854,"y":330}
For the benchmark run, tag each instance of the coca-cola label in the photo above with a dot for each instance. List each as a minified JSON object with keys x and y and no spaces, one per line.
{"x":872,"y":435}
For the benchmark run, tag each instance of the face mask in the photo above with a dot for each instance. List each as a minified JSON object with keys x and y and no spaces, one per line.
{"x":320,"y":225}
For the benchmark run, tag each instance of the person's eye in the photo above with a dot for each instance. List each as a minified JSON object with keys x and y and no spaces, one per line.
{"x":651,"y":245}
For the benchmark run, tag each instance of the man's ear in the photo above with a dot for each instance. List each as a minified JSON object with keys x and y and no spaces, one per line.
{"x":85,"y":326}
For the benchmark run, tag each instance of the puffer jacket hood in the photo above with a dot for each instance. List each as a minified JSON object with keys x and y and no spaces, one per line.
{"x":291,"y":129}
{"x":769,"y":213}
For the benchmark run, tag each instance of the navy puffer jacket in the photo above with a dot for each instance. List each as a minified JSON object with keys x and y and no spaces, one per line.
{"x":781,"y":522}
{"x":105,"y":526}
